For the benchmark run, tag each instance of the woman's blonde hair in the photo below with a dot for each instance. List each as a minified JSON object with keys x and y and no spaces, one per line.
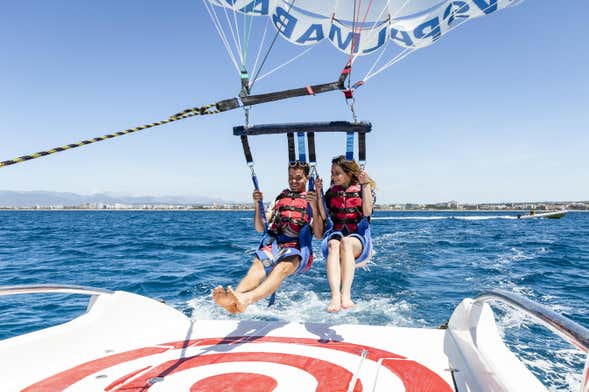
{"x":351,"y":168}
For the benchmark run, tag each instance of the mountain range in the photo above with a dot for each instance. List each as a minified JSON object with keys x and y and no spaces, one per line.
{"x":45,"y":198}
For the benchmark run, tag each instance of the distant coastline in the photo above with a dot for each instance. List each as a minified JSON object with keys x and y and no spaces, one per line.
{"x":443,"y":206}
{"x":49,"y":200}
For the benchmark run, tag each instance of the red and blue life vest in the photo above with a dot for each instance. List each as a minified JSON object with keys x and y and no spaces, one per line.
{"x":345,"y":207}
{"x":290,"y":216}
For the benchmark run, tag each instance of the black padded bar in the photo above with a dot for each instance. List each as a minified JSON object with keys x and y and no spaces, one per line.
{"x":292,"y":155}
{"x":311,"y":146}
{"x":362,"y":146}
{"x":250,"y":100}
{"x":246,"y":149}
{"x":333,"y":126}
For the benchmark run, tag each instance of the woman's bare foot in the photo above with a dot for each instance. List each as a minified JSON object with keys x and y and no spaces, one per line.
{"x":240,"y":300}
{"x":347,"y":303}
{"x":223,"y":299}
{"x":334,"y":305}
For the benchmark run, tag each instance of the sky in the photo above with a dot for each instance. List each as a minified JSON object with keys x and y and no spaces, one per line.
{"x":495,"y":111}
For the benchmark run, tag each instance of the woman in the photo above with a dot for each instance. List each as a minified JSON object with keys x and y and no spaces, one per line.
{"x":347,"y":243}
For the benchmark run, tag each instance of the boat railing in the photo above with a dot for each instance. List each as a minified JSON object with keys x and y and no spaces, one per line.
{"x":48,"y":288}
{"x":569,"y":330}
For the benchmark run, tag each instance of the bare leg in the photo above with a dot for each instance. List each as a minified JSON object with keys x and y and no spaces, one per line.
{"x":253,"y":278}
{"x":350,"y":249}
{"x":334,"y":274}
{"x":280,"y":272}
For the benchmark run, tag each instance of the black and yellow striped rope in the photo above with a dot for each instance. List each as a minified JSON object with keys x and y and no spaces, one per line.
{"x":200,"y":111}
{"x":214,"y":108}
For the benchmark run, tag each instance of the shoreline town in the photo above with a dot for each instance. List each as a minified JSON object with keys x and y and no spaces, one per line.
{"x":443,"y":206}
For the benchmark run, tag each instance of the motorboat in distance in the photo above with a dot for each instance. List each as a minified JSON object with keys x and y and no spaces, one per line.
{"x":548,"y":215}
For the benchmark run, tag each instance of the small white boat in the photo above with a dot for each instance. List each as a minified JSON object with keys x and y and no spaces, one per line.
{"x":548,"y":215}
{"x":126,"y":342}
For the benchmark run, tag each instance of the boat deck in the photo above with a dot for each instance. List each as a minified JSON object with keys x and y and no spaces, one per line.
{"x":126,"y":342}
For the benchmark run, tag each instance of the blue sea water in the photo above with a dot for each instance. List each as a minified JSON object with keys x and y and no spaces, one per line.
{"x":425,"y":264}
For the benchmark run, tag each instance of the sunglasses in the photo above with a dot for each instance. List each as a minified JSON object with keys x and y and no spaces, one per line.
{"x":296,"y":164}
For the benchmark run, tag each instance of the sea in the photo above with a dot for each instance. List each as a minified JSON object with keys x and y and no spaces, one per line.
{"x":425,"y":264}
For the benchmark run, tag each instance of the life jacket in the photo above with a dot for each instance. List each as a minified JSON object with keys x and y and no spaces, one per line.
{"x":345,"y":207}
{"x":290,"y":216}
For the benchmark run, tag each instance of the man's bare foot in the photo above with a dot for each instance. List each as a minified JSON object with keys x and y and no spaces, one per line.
{"x":223,"y":299}
{"x":347,"y":303}
{"x":240,"y":301}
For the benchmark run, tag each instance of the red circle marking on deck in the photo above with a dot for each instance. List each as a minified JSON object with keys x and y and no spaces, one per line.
{"x":330,"y":377}
{"x":239,"y":382}
{"x":414,"y":376}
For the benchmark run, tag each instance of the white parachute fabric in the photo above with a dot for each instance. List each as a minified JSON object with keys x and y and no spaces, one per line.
{"x":361,"y":27}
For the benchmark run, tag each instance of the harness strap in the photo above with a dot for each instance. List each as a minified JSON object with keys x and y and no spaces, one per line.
{"x":250,"y":162}
{"x":362,"y":146}
{"x":347,"y":209}
{"x":292,"y":208}
{"x":294,"y":220}
{"x":301,"y":142}
{"x":246,"y":149}
{"x":289,"y":194}
{"x":349,"y":146}
{"x":311,"y":146}
{"x":291,"y":147}
{"x":347,"y":220}
{"x":345,"y":194}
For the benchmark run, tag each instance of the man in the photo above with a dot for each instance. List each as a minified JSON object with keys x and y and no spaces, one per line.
{"x":290,"y":229}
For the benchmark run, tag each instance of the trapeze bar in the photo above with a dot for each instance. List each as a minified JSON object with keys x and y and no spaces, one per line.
{"x":333,"y":126}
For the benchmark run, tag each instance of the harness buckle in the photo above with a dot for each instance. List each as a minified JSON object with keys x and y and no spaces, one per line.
{"x":251,"y":166}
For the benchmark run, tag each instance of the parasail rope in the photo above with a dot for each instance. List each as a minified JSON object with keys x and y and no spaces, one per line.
{"x":373,"y":31}
{"x":217,"y":107}
{"x":351,"y":57}
{"x":269,"y":49}
{"x":382,"y":52}
{"x":234,"y":33}
{"x":407,"y":51}
{"x":247,"y":32}
{"x":388,"y":41}
{"x":203,"y":110}
{"x":221,"y":33}
{"x":261,"y":45}
{"x":287,"y":62}
{"x":357,"y":30}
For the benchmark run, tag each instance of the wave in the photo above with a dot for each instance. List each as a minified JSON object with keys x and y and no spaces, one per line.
{"x":472,"y":217}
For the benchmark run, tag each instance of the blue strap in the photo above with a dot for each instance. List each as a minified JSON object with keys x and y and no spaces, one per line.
{"x":260,"y":202}
{"x":272,"y":299}
{"x":302,"y":149}
{"x":349,"y":146}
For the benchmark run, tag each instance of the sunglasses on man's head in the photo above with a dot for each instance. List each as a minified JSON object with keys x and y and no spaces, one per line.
{"x":295,"y":164}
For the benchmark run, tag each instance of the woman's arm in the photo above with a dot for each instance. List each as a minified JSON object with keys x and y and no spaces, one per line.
{"x":367,"y":200}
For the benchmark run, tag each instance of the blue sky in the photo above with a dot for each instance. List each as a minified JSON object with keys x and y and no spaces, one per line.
{"x":495,"y":111}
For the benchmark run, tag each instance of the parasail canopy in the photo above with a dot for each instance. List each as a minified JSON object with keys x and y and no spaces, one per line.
{"x":354,"y":27}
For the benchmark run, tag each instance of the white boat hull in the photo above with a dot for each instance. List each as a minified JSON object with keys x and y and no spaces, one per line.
{"x":547,"y":215}
{"x":127,"y":342}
